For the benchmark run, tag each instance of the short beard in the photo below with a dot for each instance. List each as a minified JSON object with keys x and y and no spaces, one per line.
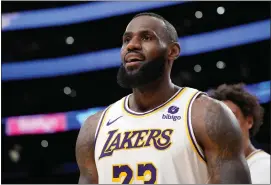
{"x":148,"y":72}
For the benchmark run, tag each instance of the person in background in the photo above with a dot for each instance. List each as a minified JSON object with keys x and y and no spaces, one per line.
{"x":249,"y":113}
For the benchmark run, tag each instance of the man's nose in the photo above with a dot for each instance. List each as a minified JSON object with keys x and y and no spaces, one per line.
{"x":134,"y":44}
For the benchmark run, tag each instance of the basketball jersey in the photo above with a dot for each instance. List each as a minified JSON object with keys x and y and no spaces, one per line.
{"x":259,"y":166}
{"x":154,"y":147}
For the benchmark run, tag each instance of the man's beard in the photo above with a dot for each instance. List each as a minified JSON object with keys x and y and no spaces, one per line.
{"x":147,"y":73}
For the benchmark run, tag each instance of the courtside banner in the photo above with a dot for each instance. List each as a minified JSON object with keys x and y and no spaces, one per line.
{"x":36,"y":124}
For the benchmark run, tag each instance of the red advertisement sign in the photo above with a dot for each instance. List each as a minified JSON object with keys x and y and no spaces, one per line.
{"x":36,"y":124}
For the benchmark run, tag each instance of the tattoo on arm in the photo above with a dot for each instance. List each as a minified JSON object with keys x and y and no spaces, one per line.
{"x":85,"y":151}
{"x":222,"y":143}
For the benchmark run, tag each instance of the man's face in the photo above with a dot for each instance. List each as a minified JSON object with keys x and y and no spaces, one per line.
{"x":245,"y":122}
{"x":143,"y":53}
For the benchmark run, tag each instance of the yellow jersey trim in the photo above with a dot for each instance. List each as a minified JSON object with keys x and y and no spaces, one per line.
{"x":188,"y":131}
{"x":101,"y":123}
{"x":253,"y":153}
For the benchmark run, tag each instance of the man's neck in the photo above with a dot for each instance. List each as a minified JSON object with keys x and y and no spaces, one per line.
{"x":249,"y":149}
{"x":152,"y":95}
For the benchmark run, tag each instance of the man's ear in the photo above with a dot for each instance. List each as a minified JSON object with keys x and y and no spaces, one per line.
{"x":174,"y":51}
{"x":249,"y":122}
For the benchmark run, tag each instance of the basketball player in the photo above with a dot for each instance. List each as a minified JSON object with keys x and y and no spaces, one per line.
{"x":161,"y":133}
{"x":249,"y":114}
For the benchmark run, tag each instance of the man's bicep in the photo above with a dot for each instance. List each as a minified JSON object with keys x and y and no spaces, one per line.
{"x":86,"y":163}
{"x":85,"y":151}
{"x":221,"y":139}
{"x":222,"y":129}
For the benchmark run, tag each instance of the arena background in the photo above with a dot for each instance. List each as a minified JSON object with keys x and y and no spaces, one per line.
{"x":60,"y":59}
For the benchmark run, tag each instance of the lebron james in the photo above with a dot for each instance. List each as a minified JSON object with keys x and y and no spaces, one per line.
{"x":160,"y":133}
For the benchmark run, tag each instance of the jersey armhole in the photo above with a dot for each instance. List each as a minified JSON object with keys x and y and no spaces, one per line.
{"x":99,"y":125}
{"x":196,"y":146}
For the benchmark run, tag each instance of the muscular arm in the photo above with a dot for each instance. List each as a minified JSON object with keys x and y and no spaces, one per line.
{"x":219,"y":134}
{"x":85,"y":151}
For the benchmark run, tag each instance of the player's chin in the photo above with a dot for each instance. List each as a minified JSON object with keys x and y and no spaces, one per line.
{"x":132,"y":71}
{"x":133,"y":67}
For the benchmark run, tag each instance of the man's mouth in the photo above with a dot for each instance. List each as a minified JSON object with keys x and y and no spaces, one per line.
{"x":133,"y":64}
{"x":134,"y":60}
{"x":133,"y":57}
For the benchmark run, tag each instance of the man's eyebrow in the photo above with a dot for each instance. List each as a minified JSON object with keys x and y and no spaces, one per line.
{"x":141,"y":31}
{"x":127,"y":34}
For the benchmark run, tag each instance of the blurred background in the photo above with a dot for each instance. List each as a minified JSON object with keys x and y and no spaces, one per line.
{"x":60,"y":60}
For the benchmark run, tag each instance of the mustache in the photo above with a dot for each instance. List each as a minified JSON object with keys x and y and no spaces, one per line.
{"x":135,"y":52}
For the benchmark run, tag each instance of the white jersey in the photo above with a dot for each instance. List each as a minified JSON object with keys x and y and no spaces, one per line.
{"x":259,"y":166}
{"x":154,"y":147}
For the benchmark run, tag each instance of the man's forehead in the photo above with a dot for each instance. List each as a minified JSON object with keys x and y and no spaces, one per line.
{"x":145,"y":23}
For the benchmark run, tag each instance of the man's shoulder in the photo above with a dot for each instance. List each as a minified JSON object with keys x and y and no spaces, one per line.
{"x":90,"y":125}
{"x":259,"y":157}
{"x":93,"y":120}
{"x":203,"y":101}
{"x":214,"y":119}
{"x":259,"y":166}
{"x":263,"y":154}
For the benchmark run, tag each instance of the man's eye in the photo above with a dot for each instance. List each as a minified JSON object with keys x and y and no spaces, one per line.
{"x":127,"y":39}
{"x":146,"y":38}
